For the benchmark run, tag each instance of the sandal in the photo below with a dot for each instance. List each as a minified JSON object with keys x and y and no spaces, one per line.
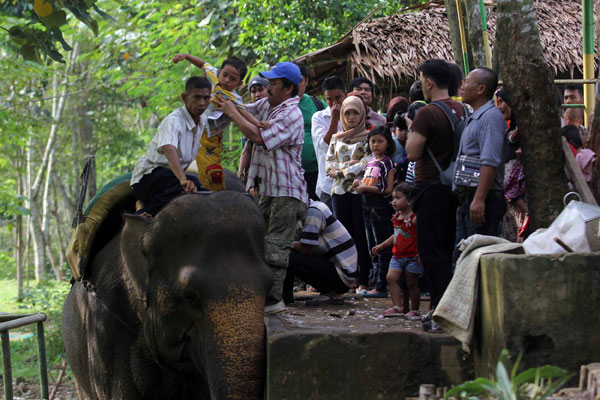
{"x":376,"y":294}
{"x":142,"y":212}
{"x":414,"y":315}
{"x":394,"y":311}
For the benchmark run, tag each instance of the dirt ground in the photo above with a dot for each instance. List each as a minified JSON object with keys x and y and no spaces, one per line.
{"x":358,"y":314}
{"x":31,"y":390}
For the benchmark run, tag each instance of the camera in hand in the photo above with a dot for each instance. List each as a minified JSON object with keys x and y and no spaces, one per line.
{"x":399,"y":118}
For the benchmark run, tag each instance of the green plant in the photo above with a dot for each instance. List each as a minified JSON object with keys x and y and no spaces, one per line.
{"x":532,"y":384}
{"x":47,"y":297}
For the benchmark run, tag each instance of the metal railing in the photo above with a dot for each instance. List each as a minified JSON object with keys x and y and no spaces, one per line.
{"x":12,"y":321}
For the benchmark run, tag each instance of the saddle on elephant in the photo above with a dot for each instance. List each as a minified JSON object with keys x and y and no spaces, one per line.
{"x":102,"y":219}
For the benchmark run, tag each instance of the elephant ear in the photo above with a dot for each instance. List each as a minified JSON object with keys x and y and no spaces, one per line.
{"x":134,"y":259}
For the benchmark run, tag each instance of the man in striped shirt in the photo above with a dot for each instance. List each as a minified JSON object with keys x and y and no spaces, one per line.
{"x":324,"y":257}
{"x":275,"y":170}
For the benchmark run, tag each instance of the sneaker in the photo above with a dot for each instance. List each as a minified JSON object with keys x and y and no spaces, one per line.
{"x":432,"y":327}
{"x":414,"y":315}
{"x":393,"y":312}
{"x":427,"y":316}
{"x":275,"y":308}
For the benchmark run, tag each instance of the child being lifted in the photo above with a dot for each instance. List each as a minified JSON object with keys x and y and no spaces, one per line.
{"x":225,"y":82}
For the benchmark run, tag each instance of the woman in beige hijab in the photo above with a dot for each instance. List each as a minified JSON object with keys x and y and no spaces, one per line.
{"x":345,"y":162}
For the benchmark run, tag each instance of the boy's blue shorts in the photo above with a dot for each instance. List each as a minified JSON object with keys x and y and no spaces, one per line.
{"x":408,"y":264}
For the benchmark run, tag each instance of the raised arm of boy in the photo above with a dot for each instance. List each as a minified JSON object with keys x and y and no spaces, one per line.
{"x":197,"y":61}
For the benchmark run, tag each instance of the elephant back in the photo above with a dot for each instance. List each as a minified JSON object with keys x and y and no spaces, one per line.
{"x":102,"y":221}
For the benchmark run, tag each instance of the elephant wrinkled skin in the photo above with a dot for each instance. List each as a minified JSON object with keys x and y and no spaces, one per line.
{"x":174,"y":306}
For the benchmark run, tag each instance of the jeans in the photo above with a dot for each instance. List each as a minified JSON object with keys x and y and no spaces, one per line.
{"x":495,"y":208}
{"x":377,"y":213}
{"x":347,"y":208}
{"x":435,"y":205}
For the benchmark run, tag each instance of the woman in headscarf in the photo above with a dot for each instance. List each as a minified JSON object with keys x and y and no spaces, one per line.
{"x":345,"y":162}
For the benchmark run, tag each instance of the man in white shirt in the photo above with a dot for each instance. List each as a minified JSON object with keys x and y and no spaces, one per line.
{"x":325,"y":124}
{"x":159,"y":175}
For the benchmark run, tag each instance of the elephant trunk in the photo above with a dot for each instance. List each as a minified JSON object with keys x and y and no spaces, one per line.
{"x":234,"y":354}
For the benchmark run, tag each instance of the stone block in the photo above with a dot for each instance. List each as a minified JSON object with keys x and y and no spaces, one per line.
{"x":546,"y":307}
{"x":338,"y":363}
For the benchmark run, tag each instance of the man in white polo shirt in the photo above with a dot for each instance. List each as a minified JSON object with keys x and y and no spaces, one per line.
{"x":159,"y":175}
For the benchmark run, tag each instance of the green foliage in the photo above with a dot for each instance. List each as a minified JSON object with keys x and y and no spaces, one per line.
{"x":531,"y":384}
{"x":47,"y":298}
{"x":39,"y":25}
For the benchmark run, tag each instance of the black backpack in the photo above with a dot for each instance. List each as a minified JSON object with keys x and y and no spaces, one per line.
{"x":458,"y":126}
{"x":318,"y":103}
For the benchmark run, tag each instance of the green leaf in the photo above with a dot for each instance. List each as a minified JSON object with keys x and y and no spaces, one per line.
{"x":30,"y":53}
{"x":545,"y":372}
{"x":56,"y":34}
{"x":102,"y":13}
{"x":478,"y":386}
{"x":206,"y":20}
{"x":55,"y":20}
{"x":504,"y":383}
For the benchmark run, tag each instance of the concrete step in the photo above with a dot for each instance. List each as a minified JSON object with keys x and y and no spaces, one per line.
{"x":352,"y":352}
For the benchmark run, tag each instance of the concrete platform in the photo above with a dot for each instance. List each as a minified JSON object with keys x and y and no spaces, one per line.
{"x":352,"y":352}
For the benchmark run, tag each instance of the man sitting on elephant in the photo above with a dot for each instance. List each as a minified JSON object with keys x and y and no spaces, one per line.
{"x":276,"y":171}
{"x":159,"y":175}
{"x":324,"y":257}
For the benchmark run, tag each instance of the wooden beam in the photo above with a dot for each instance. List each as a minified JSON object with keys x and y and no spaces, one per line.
{"x":576,"y":176}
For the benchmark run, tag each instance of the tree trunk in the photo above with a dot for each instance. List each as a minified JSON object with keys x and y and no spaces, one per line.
{"x":530,"y":82}
{"x":39,"y":247}
{"x":474,"y":33}
{"x":20,"y":244}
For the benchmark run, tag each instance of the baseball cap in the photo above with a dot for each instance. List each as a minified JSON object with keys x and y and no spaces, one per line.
{"x":286,"y":70}
{"x":258,"y":80}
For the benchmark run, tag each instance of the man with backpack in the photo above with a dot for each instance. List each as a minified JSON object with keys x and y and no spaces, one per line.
{"x":431,"y":144}
{"x":479,"y":176}
{"x":309,"y":105}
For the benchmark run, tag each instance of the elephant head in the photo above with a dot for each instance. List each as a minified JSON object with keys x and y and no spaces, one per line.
{"x":198,"y":282}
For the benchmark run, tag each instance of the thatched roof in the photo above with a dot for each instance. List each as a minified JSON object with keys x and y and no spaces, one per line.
{"x":389,"y":50}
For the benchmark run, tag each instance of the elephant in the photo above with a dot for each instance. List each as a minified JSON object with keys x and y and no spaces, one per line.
{"x":172,"y":307}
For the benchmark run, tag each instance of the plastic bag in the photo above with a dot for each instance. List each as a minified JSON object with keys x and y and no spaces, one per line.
{"x":576,"y":226}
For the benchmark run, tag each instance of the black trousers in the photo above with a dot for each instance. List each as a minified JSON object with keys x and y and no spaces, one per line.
{"x":348,"y":209}
{"x":311,"y":184}
{"x":435,"y":206}
{"x":317,"y":271}
{"x":158,"y":188}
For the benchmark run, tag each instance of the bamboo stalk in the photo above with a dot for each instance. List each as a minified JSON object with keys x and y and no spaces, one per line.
{"x":463,"y":39}
{"x":588,"y":58}
{"x":484,"y":32}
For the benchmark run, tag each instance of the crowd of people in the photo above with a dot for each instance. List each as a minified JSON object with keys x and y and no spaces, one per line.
{"x":352,"y":199}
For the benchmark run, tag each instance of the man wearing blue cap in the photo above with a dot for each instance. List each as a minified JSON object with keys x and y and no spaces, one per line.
{"x":275,"y":170}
